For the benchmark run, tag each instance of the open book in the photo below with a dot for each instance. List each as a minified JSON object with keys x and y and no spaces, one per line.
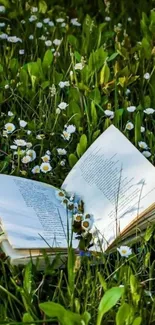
{"x":116,"y":183}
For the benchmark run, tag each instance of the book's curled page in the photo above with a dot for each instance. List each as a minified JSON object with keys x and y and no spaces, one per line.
{"x":115,"y":181}
{"x":31,"y":215}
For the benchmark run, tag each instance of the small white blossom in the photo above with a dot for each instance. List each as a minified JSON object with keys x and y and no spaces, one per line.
{"x":79,"y":66}
{"x":74,"y":22}
{"x":86,"y":224}
{"x":2,"y":9}
{"x":48,"y":152}
{"x":23,"y":21}
{"x":63,"y":84}
{"x":34,"y":9}
{"x":42,"y":38}
{"x":6,"y":86}
{"x":78,"y":217}
{"x":58,"y":111}
{"x":45,"y":158}
{"x":13,"y":147}
{"x":39,"y":25}
{"x":62,"y":162}
{"x":32,"y":18}
{"x":57,"y":42}
{"x":32,"y":154}
{"x":26,"y":159}
{"x":5,"y":134}
{"x":142,"y":129}
{"x":124,"y":251}
{"x":10,"y":113}
{"x":129,"y":19}
{"x":131,"y":109}
{"x":62,"y":105}
{"x":63,"y":25}
{"x":146,"y":154}
{"x":129,"y":126}
{"x":51,"y":24}
{"x":71,"y":128}
{"x":31,"y":37}
{"x":3,"y":36}
{"x":40,"y":136}
{"x":45,"y":167}
{"x":146,"y":76}
{"x":21,"y":52}
{"x":20,"y":143}
{"x":9,"y":127}
{"x":61,"y":152}
{"x":66,"y":136}
{"x":48,"y":43}
{"x":28,"y":132}
{"x":46,"y":20}
{"x":60,"y":20}
{"x":142,"y":145}
{"x":107,"y":18}
{"x":109,"y":113}
{"x":35,"y":170}
{"x":22,"y":123}
{"x":127,"y":92}
{"x":149,"y":111}
{"x":14,"y":39}
{"x":60,"y":194}
{"x":2,"y":24}
{"x":28,"y":144}
{"x":56,"y":53}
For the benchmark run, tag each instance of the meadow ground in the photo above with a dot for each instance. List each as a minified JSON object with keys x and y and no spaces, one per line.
{"x":68,"y":70}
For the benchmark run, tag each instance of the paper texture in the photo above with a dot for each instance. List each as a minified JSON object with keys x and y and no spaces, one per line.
{"x":29,"y":210}
{"x":115,"y":181}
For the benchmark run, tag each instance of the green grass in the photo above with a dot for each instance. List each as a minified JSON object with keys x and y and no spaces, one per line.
{"x":114,"y":59}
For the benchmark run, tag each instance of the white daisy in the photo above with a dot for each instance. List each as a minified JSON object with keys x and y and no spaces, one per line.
{"x":9,"y":127}
{"x":2,"y":24}
{"x":124,"y":251}
{"x":39,"y":24}
{"x":79,"y":66}
{"x":45,"y":158}
{"x":78,"y":217}
{"x":107,"y":18}
{"x":65,"y":135}
{"x":48,"y":152}
{"x":109,"y":113}
{"x":22,"y":123}
{"x":32,"y":154}
{"x":3,"y":36}
{"x":62,"y":105}
{"x":51,"y":24}
{"x":10,"y":113}
{"x":29,"y":132}
{"x":46,"y":20}
{"x":60,"y":194}
{"x":2,"y":9}
{"x":57,"y":42}
{"x":40,"y":136}
{"x":14,"y":39}
{"x":142,"y":129}
{"x":31,"y":37}
{"x":131,"y":109}
{"x":146,"y":154}
{"x":45,"y":167}
{"x":149,"y":111}
{"x":48,"y":43}
{"x":129,"y":126}
{"x":34,"y":9}
{"x":13,"y":147}
{"x":86,"y":224}
{"x":146,"y":76}
{"x":28,"y":144}
{"x":60,"y":20}
{"x":63,"y":84}
{"x":71,"y":128}
{"x":26,"y":159}
{"x":142,"y":145}
{"x":32,"y":18}
{"x":61,"y":152}
{"x":20,"y":143}
{"x":62,"y":162}
{"x":21,"y":52}
{"x":35,"y":170}
{"x":74,"y":22}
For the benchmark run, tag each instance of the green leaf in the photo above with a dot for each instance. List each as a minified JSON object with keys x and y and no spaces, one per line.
{"x":45,"y":84}
{"x":137,"y":128}
{"x":28,"y":318}
{"x":95,"y":135}
{"x":123,"y":314}
{"x":86,"y":318}
{"x":148,"y":233}
{"x":137,"y":321}
{"x":27,"y":282}
{"x":146,"y":49}
{"x":147,"y":259}
{"x":96,"y":60}
{"x":1,"y":68}
{"x":104,"y":74}
{"x":72,"y":40}
{"x":133,"y":284}
{"x":24,"y":78}
{"x":78,"y":150}
{"x":83,"y":143}
{"x":42,"y":6}
{"x":108,"y":301}
{"x":77,"y":56}
{"x":93,"y":114}
{"x":112,"y":57}
{"x":72,"y":160}
{"x":102,"y":281}
{"x":13,"y":66}
{"x":47,"y":60}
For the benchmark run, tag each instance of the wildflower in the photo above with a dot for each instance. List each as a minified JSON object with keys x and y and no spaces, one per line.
{"x":34,"y":9}
{"x":45,"y":167}
{"x":31,"y":37}
{"x":51,"y":24}
{"x":45,"y":158}
{"x":71,"y":128}
{"x":63,"y":84}
{"x":2,"y":9}
{"x":129,"y":126}
{"x":65,"y":135}
{"x":63,"y":24}
{"x":23,"y":21}
{"x":146,"y":76}
{"x":78,"y":217}
{"x":60,"y":20}
{"x":74,"y":22}
{"x":131,"y":109}
{"x":20,"y":143}
{"x":61,"y":152}
{"x":60,"y":194}
{"x":142,"y":129}
{"x":124,"y":251}
{"x":127,"y":92}
{"x":56,"y":53}
{"x":26,"y":159}
{"x":14,"y":39}
{"x":57,"y":42}
{"x":32,"y":18}
{"x":3,"y":36}
{"x":42,"y":38}
{"x":5,"y":134}
{"x":48,"y":43}
{"x":7,"y":86}
{"x":86,"y":224}
{"x":142,"y":145}
{"x":40,"y":136}
{"x":2,"y":24}
{"x":13,"y":147}
{"x":107,"y":18}
{"x":109,"y":113}
{"x":79,"y":66}
{"x":9,"y":127}
{"x":22,"y":123}
{"x":28,"y":132}
{"x":32,"y":154}
{"x":39,"y":25}
{"x":149,"y":111}
{"x":129,"y":19}
{"x":62,"y":105}
{"x":58,"y":111}
{"x":28,"y":144}
{"x":46,"y":20}
{"x":62,"y":162}
{"x":10,"y":113}
{"x":48,"y":152}
{"x":146,"y":154}
{"x":35,"y":169}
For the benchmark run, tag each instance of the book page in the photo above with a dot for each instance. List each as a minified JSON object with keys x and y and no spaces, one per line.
{"x":31,"y":215}
{"x":115,"y":181}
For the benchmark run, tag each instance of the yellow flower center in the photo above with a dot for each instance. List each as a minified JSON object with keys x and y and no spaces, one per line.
{"x":45,"y":168}
{"x":124,"y":251}
{"x":61,"y":194}
{"x":9,"y":128}
{"x":86,"y":224}
{"x":78,"y":218}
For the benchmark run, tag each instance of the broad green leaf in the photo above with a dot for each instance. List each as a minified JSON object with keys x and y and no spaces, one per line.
{"x":70,"y":269}
{"x":47,"y":60}
{"x":78,"y":150}
{"x":42,"y":6}
{"x":133,"y":284}
{"x":96,"y":60}
{"x":27,"y":282}
{"x":102,"y":281}
{"x":147,"y":259}
{"x":123,"y":314}
{"x":146,"y":49}
{"x":72,"y":40}
{"x":72,"y":160}
{"x":95,"y":135}
{"x":137,"y":321}
{"x":108,"y":301}
{"x":28,"y":318}
{"x":24,"y":78}
{"x":45,"y":84}
{"x":112,"y":57}
{"x":95,"y":95}
{"x":13,"y":66}
{"x":93,"y":114}
{"x":83,"y":143}
{"x":86,"y":318}
{"x":77,"y":56}
{"x":104,"y":74}
{"x":148,"y":233}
